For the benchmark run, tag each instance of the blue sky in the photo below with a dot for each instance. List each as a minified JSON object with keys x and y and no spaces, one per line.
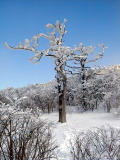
{"x":88,"y":21}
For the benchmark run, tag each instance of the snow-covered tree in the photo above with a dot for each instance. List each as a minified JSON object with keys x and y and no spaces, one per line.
{"x":60,"y":54}
{"x":81,"y":58}
{"x":103,"y":90}
{"x":42,"y":96}
{"x":111,"y":88}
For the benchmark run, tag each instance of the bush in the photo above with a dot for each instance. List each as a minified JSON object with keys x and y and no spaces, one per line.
{"x":101,"y":144}
{"x":23,"y":137}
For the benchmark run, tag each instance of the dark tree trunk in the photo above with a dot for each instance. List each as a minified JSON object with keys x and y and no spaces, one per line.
{"x":62,"y":98}
{"x":108,"y":106}
{"x":84,"y":104}
{"x":96,"y":104}
{"x":48,"y":108}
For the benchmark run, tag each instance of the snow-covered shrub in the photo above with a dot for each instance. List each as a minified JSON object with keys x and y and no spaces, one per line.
{"x":23,"y":136}
{"x":100,"y":144}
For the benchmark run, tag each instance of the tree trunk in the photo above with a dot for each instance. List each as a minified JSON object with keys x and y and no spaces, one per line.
{"x":108,"y":106}
{"x":62,"y":98}
{"x":84,"y":104}
{"x":96,"y":104}
{"x":48,"y":108}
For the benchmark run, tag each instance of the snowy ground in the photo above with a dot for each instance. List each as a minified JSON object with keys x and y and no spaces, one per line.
{"x":78,"y":122}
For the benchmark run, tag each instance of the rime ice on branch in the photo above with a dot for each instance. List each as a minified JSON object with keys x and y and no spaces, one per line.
{"x":60,"y":54}
{"x":80,"y":59}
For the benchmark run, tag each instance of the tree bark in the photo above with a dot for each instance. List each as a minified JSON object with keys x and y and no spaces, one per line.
{"x":62,"y":99}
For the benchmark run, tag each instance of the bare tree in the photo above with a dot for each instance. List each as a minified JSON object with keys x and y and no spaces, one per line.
{"x":60,"y":54}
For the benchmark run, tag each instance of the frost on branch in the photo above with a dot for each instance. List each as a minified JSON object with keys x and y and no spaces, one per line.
{"x":56,"y":50}
{"x":81,"y":53}
{"x":61,"y":54}
{"x":24,"y":136}
{"x":99,"y":144}
{"x":81,"y":57}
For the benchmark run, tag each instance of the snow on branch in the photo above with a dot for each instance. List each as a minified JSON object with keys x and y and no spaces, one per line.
{"x":85,"y":51}
{"x":100,"y":54}
{"x":56,"y":49}
{"x":80,"y":57}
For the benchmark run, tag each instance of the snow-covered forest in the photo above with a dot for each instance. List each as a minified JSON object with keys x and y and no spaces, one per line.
{"x":102,"y":93}
{"x":30,"y":113}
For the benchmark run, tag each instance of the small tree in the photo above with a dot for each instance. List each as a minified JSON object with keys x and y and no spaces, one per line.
{"x":60,"y":54}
